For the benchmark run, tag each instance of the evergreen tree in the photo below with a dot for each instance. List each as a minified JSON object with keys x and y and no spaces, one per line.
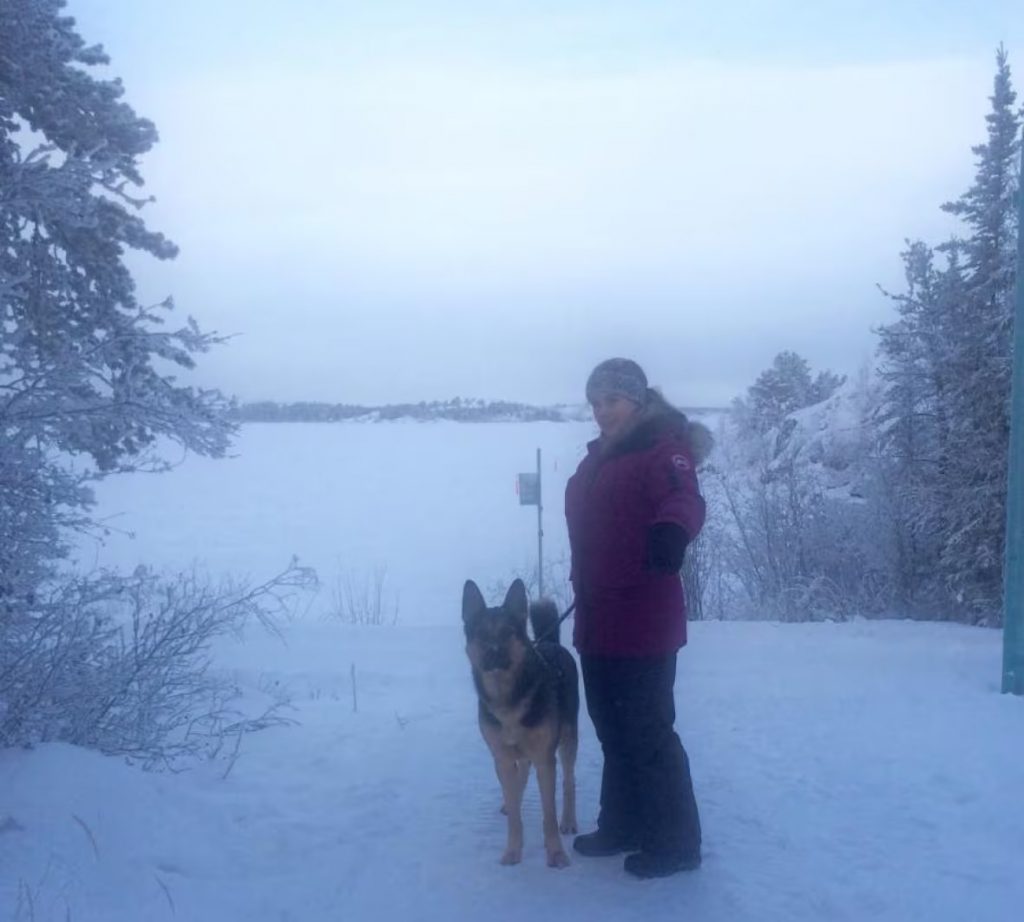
{"x":947,"y":366}
{"x":785,"y":387}
{"x":919,"y":371}
{"x":83,"y":363}
{"x":973,"y":555}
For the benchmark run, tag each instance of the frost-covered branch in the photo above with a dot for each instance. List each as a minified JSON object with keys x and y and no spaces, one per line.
{"x":124,"y":664}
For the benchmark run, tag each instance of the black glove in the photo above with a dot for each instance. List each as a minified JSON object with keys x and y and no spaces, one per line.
{"x":666,"y":545}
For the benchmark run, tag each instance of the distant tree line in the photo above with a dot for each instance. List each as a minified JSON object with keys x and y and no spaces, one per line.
{"x":458,"y":409}
{"x":886,"y":495}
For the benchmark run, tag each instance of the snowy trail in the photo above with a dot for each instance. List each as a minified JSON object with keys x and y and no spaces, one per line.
{"x":426,"y":833}
{"x":865,"y":770}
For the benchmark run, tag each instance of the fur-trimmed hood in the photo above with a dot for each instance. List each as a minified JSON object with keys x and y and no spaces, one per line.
{"x":657,"y":419}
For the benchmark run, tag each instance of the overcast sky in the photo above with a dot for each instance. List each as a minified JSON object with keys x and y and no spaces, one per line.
{"x":392,"y":201}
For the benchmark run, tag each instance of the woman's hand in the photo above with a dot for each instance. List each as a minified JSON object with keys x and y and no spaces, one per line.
{"x":666,"y":547}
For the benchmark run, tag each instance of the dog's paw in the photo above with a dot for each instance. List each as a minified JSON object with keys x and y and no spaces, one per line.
{"x":568,"y":827}
{"x":512,"y":856}
{"x":558,"y":858}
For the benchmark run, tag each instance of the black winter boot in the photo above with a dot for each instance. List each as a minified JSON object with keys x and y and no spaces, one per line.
{"x":648,"y":864}
{"x":601,"y":844}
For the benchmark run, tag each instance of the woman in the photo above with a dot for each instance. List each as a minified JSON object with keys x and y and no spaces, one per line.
{"x":632,"y":507}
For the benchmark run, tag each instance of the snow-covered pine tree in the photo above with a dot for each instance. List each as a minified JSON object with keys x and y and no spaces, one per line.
{"x":784,"y":387}
{"x":973,"y":552}
{"x":946,"y":363}
{"x":118,"y":663}
{"x":919,"y":370}
{"x":78,"y":351}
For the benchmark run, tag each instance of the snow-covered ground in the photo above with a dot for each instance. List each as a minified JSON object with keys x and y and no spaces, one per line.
{"x":868,"y":770}
{"x":855,"y":771}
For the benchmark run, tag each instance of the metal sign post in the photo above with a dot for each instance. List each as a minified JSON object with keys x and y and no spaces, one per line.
{"x":540,"y":535}
{"x":530,"y":495}
{"x":1013,"y":579}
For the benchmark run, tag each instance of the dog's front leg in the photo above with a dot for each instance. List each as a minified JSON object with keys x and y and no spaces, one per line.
{"x":523,"y":769}
{"x":557,"y":858}
{"x":523,"y":775}
{"x":512,"y":792}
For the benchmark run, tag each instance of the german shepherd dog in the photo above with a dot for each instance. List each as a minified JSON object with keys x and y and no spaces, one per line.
{"x":529,"y":703}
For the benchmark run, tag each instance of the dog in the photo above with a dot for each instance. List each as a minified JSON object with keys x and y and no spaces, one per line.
{"x":529,"y":704}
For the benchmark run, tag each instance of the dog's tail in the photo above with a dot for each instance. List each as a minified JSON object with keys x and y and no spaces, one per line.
{"x":544,"y":621}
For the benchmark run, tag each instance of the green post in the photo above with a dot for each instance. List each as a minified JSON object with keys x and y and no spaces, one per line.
{"x":1013,"y":586}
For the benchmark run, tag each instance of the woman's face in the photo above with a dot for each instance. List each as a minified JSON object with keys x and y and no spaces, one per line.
{"x":613,"y":414}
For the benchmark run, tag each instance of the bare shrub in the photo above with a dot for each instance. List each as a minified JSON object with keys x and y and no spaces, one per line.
{"x":701,"y":570}
{"x":123,"y":664}
{"x":363,"y":598}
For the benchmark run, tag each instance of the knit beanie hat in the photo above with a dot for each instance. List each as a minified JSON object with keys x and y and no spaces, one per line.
{"x":619,"y":377}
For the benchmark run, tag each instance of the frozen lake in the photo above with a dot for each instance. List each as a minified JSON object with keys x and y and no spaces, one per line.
{"x":428,"y":504}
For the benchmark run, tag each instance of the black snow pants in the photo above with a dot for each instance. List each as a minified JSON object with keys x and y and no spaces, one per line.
{"x":646,"y":790}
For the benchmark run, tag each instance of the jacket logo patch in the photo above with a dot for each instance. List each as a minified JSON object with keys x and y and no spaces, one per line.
{"x":681,"y":462}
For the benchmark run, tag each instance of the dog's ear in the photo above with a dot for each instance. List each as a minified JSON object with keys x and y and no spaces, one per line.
{"x":515,"y":600}
{"x":473,"y":603}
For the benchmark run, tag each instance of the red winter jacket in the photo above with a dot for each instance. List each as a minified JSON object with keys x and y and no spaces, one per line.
{"x":623,"y":608}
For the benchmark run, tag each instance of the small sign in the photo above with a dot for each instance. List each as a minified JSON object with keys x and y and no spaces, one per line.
{"x":528,"y":488}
